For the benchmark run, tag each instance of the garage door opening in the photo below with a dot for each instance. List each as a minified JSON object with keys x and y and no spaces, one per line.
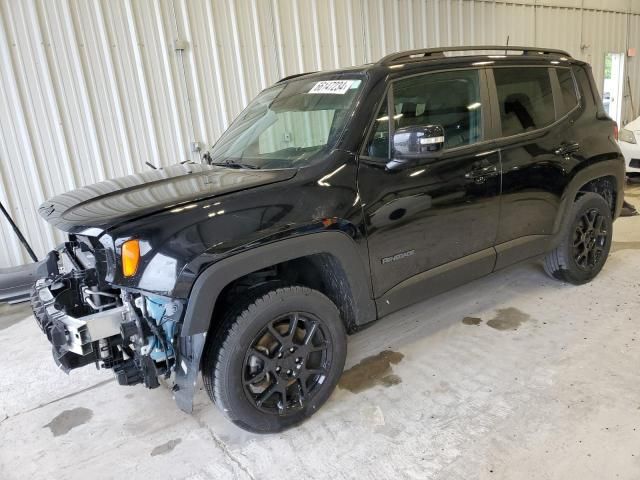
{"x":613,"y":85}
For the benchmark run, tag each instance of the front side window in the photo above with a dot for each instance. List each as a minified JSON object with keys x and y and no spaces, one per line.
{"x":450,"y":100}
{"x":525,"y":99}
{"x":567,"y":89}
{"x":288,"y":125}
{"x":378,"y":144}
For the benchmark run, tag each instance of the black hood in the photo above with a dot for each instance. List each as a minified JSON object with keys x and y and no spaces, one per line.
{"x":110,"y":203}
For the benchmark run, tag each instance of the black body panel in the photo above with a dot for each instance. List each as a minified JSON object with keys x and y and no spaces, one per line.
{"x":429,"y":210}
{"x":113,"y":202}
{"x":334,"y":243}
{"x":372,"y":226}
{"x":195,"y":219}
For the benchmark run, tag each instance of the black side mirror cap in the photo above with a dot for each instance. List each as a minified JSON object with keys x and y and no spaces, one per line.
{"x":414,"y":144}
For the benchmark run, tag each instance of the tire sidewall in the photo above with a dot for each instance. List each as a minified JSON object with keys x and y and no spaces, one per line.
{"x":231,"y":396}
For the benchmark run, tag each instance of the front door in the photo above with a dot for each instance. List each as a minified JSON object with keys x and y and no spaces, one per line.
{"x":438,"y":211}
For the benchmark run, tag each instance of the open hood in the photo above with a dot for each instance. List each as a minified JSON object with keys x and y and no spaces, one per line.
{"x":110,"y":203}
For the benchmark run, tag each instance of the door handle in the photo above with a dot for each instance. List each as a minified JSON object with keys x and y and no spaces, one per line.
{"x":567,"y":148}
{"x":482,"y":172}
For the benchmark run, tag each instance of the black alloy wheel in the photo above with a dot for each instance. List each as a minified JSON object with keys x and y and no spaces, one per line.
{"x":276,"y":358}
{"x":584,"y":242}
{"x":589,"y":239}
{"x":286,"y":363}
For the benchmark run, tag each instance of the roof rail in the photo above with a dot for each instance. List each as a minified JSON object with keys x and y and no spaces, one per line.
{"x":424,"y":53}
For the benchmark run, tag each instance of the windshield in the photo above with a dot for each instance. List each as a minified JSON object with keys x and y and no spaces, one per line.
{"x":288,"y":125}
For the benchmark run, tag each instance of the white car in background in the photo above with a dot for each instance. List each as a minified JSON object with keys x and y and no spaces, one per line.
{"x":628,"y":140}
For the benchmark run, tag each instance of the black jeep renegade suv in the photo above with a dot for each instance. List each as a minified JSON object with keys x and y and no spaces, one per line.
{"x":334,"y":199}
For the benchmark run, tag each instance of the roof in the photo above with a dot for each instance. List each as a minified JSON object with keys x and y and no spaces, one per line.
{"x":425,"y":54}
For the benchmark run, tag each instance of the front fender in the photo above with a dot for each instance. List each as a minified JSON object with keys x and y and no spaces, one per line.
{"x":212,"y":281}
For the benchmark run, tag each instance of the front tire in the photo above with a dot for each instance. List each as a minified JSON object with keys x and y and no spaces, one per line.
{"x":276,"y":362}
{"x":586,"y":242}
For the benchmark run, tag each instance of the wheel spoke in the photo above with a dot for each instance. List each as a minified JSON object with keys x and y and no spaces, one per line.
{"x":260,"y":356}
{"x":257,"y":378}
{"x":310,"y":333}
{"x":303,"y":391}
{"x":276,"y":334}
{"x":591,"y":261}
{"x":266,"y":395}
{"x":302,"y":385}
{"x":598,"y":224}
{"x":283,"y":396}
{"x":293,"y":326}
{"x":317,"y":348}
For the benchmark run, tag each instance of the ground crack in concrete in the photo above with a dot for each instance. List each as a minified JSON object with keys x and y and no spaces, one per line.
{"x":224,"y":448}
{"x":64,"y":397}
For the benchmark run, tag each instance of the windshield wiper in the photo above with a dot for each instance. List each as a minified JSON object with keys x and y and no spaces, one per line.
{"x":227,"y":163}
{"x":230,"y":164}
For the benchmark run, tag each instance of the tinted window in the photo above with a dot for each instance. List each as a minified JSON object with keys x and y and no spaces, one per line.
{"x":449,"y":99}
{"x":290,"y":124}
{"x":525,"y":98}
{"x":587,"y":90}
{"x":378,"y":145}
{"x":568,"y":89}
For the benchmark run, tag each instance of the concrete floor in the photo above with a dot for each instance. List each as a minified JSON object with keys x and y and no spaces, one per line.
{"x":514,"y":376}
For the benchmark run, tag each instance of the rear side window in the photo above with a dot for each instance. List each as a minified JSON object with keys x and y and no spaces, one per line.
{"x":525,"y":99}
{"x":567,"y":89}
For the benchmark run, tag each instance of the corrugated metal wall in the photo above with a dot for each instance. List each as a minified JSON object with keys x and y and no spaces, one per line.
{"x":93,"y":89}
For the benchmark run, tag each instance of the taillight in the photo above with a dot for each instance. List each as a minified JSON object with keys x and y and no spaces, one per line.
{"x":615,"y":130}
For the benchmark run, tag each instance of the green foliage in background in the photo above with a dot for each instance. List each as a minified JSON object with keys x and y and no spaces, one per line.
{"x":607,"y":66}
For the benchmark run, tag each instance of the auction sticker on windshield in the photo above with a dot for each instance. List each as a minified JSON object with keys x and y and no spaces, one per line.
{"x":337,"y":87}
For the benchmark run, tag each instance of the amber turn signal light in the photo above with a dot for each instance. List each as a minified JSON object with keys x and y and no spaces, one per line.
{"x":130,"y":257}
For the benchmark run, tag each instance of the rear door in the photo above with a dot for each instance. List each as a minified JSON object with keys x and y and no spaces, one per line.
{"x":431,"y":213}
{"x":534,"y":109}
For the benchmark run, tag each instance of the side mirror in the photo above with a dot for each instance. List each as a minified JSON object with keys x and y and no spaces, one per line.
{"x":416,"y":142}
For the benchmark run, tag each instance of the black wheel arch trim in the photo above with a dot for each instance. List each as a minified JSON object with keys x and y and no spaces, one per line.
{"x":214,"y":279}
{"x":614,"y":167}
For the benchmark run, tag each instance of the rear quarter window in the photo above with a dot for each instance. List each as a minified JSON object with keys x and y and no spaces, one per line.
{"x":567,"y":90}
{"x":525,"y":99}
{"x":589,"y":95}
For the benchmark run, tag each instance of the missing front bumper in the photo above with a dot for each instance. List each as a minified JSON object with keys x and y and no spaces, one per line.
{"x":73,"y":339}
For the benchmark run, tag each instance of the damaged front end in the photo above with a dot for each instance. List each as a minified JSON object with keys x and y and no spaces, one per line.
{"x":87,"y":321}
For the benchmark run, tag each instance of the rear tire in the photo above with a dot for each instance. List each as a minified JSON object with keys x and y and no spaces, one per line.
{"x":273,"y":363}
{"x":586,"y":242}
